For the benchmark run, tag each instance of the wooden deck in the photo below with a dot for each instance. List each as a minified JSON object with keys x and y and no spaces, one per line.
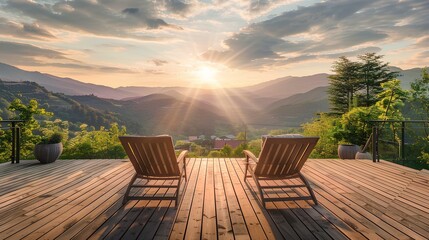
{"x":80,"y":199}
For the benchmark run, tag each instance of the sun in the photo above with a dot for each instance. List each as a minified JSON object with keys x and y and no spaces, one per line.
{"x":206,"y":74}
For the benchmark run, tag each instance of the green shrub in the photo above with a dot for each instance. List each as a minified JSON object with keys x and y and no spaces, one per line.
{"x":326,"y":128}
{"x":355,"y":128}
{"x":215,"y":154}
{"x":52,"y":139}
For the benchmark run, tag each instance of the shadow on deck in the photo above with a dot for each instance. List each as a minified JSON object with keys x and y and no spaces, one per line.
{"x":81,"y":199}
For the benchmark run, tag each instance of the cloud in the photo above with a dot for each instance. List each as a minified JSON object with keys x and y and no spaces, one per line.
{"x":90,"y":67}
{"x":346,"y":39}
{"x":248,"y":9}
{"x":179,"y":8}
{"x":21,"y":50}
{"x":424,"y":55}
{"x":420,"y":58}
{"x":103,"y":18}
{"x":422,"y":43}
{"x":24,"y":30}
{"x":352,"y":53}
{"x":134,"y":11}
{"x":30,"y":55}
{"x":155,"y":72}
{"x":159,"y":62}
{"x":323,"y":30}
{"x":259,"y":7}
{"x":116,"y":47}
{"x":245,"y":48}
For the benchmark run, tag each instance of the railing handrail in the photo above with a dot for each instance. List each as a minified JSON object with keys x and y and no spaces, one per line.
{"x":406,"y":121}
{"x":376,"y":132}
{"x":12,"y":120}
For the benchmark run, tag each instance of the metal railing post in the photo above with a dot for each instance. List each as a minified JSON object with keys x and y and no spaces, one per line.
{"x":374,"y":143}
{"x":403,"y":142}
{"x":400,"y":157}
{"x":377,"y":136}
{"x":13,"y":156}
{"x":18,"y":144}
{"x":16,"y":138}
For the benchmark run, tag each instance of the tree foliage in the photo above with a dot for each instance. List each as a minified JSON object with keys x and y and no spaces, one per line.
{"x":226,"y":150}
{"x":420,"y":95}
{"x":87,"y":143}
{"x":28,"y":113}
{"x":325,"y":127}
{"x":102,"y":143}
{"x":391,"y":99}
{"x":356,"y":84}
{"x":355,"y":128}
{"x":373,"y":72}
{"x":343,"y":85}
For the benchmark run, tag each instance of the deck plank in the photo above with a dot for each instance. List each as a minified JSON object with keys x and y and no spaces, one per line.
{"x":237,"y":220}
{"x":165,"y":228}
{"x":44,"y":200}
{"x":193,"y":230}
{"x":249,"y":213}
{"x":364,"y":216}
{"x":266,"y":222}
{"x":209,"y":229}
{"x":179,"y":227}
{"x":224,"y":226}
{"x":373,"y":205}
{"x":41,"y":222}
{"x":81,"y":199}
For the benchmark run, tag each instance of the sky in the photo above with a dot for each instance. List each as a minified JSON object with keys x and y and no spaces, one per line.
{"x":219,"y":43}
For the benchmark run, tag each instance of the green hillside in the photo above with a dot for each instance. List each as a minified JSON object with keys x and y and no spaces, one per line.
{"x":152,"y":114}
{"x":316,"y":95}
{"x":161,"y":114}
{"x":61,"y":105}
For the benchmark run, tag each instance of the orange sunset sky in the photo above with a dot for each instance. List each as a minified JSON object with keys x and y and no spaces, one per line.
{"x":227,"y":43}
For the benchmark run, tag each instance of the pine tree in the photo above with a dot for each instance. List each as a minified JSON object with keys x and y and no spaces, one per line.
{"x":373,"y":72}
{"x":343,"y":85}
{"x":420,"y":94}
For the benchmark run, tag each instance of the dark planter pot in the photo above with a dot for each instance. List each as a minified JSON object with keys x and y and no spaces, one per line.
{"x":48,"y":153}
{"x":347,"y":151}
{"x":363,"y":155}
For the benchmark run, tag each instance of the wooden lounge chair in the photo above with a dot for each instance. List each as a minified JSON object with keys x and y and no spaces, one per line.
{"x":280,"y":158}
{"x":154,"y":158}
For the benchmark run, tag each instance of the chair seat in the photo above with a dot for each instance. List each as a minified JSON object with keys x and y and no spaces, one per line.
{"x":153,"y":158}
{"x":280,"y":158}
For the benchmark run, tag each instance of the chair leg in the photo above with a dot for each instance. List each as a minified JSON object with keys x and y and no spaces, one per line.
{"x":127,"y":192}
{"x":247,"y":165}
{"x":177,"y":192}
{"x":310,"y":190}
{"x":260,"y":191}
{"x":184,"y":168}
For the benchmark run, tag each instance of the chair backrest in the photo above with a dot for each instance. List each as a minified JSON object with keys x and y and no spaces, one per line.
{"x":151,"y":156}
{"x":282,"y":157}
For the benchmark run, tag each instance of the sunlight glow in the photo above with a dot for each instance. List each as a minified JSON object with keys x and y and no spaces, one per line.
{"x":206,"y":75}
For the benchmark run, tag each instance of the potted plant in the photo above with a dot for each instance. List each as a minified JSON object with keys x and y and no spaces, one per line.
{"x":49,"y":149}
{"x":347,"y":150}
{"x":353,"y":131}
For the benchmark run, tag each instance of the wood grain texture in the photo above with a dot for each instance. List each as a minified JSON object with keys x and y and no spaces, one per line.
{"x":81,"y":199}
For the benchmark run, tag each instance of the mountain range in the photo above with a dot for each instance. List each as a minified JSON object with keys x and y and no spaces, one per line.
{"x":61,"y":105}
{"x":287,"y":101}
{"x":56,"y":84}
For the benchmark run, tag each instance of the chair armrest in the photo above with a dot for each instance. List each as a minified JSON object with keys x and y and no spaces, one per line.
{"x":182,"y":156}
{"x":250,"y":155}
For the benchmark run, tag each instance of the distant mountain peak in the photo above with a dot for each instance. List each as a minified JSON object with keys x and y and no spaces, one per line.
{"x":56,"y":84}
